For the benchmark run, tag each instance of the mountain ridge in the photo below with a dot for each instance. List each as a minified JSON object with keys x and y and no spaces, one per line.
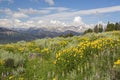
{"x":18,"y":34}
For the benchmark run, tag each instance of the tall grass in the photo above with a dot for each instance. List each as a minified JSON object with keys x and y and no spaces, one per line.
{"x":88,"y":57}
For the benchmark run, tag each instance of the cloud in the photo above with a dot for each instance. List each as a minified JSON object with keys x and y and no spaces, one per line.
{"x":78,"y":20}
{"x":5,"y":23}
{"x":59,"y":9}
{"x":57,"y":23}
{"x":53,"y":25}
{"x":57,"y":13}
{"x":99,"y":10}
{"x":43,"y":11}
{"x":40,"y":21}
{"x":13,"y":14}
{"x":70,"y":14}
{"x":17,"y":23}
{"x":50,"y":2}
{"x":51,"y":17}
{"x":33,"y":11}
{"x":19,"y":15}
{"x":7,"y":11}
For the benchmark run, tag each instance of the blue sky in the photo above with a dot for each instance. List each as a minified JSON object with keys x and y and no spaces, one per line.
{"x":32,"y":13}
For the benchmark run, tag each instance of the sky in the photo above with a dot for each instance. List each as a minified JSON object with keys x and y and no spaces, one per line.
{"x":42,"y":13}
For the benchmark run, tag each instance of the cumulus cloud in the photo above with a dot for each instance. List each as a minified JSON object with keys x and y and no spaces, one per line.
{"x":19,"y":15}
{"x":17,"y":23}
{"x":57,"y":23}
{"x":54,"y":14}
{"x":6,"y":23}
{"x":13,"y":14}
{"x":50,"y":2}
{"x":80,"y":25}
{"x":53,"y":25}
{"x":40,"y":21}
{"x":78,"y":20}
{"x":50,"y":18}
{"x":6,"y":11}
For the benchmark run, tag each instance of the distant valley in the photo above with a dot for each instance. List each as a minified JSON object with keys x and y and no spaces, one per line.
{"x":18,"y":34}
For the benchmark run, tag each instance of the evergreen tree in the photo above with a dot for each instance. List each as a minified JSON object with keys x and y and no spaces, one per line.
{"x":117,"y":26}
{"x":61,"y":35}
{"x":69,"y":35}
{"x":96,"y":29}
{"x":110,"y":27}
{"x":88,"y":31}
{"x":100,"y":28}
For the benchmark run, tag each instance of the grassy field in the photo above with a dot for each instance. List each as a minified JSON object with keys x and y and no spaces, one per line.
{"x":88,"y":57}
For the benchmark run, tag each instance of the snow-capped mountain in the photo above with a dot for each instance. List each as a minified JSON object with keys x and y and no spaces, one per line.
{"x":17,"y":34}
{"x":59,"y":29}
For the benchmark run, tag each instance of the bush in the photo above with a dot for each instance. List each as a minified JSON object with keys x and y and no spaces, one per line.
{"x":9,"y":63}
{"x":116,"y":68}
{"x":67,"y":60}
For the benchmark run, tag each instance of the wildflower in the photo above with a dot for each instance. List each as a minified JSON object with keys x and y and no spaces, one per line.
{"x":21,"y":78}
{"x":11,"y":77}
{"x":54,"y":78}
{"x":54,"y":62}
{"x":1,"y":62}
{"x":114,"y":66}
{"x":117,"y":62}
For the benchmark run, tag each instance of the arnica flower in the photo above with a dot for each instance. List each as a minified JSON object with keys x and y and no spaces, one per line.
{"x":11,"y":77}
{"x":117,"y":62}
{"x":54,"y":62}
{"x":1,"y":62}
{"x":54,"y":79}
{"x":21,"y":78}
{"x":114,"y":66}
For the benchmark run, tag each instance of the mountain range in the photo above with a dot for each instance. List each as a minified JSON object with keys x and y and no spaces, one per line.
{"x":8,"y":35}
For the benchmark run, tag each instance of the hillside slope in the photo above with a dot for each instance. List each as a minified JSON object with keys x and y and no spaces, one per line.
{"x":88,"y":57}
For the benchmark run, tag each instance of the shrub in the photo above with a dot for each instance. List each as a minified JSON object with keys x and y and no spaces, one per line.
{"x":116,"y":68}
{"x":9,"y":63}
{"x":67,"y":60}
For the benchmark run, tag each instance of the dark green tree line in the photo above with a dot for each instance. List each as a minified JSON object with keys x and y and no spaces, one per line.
{"x":99,"y":28}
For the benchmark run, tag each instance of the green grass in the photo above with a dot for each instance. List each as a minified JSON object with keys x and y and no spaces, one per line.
{"x":72,"y":58}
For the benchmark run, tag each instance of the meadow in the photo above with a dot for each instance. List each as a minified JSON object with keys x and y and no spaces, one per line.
{"x":88,"y":57}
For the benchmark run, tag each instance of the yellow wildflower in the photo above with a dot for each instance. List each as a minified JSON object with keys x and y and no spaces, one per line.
{"x":117,"y":62}
{"x":54,"y":79}
{"x":1,"y":62}
{"x":21,"y":78}
{"x":11,"y":77}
